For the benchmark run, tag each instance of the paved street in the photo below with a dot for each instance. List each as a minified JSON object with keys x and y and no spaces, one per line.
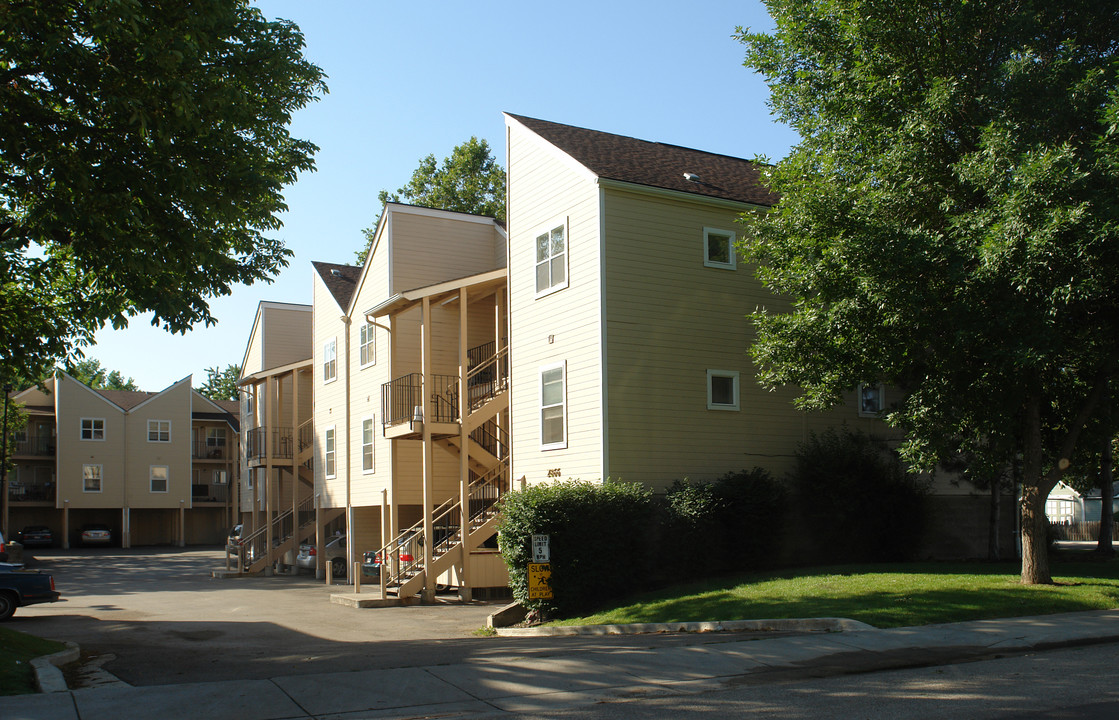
{"x":166,"y":620}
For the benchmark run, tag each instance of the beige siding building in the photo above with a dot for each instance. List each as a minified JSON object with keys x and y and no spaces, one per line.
{"x":156,"y":468}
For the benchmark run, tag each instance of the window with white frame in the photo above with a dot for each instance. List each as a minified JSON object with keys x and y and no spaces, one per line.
{"x":158,"y":475}
{"x":1059,"y":510}
{"x":215,"y":442}
{"x":872,"y":400}
{"x":718,"y":248}
{"x":367,"y":349}
{"x":330,"y":361}
{"x":93,"y":428}
{"x":159,"y":431}
{"x":328,"y":451}
{"x":91,"y":478}
{"x":249,"y":478}
{"x":367,"y":445}
{"x":553,"y":406}
{"x":551,"y":259}
{"x":722,"y":389}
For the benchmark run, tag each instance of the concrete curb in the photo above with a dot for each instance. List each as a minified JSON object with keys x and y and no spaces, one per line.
{"x":47,"y":675}
{"x":780,"y":625}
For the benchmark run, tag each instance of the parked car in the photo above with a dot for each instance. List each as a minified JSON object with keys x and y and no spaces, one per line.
{"x":36,"y":536}
{"x":335,"y":550}
{"x":21,"y":587}
{"x":3,"y":549}
{"x":96,"y":534}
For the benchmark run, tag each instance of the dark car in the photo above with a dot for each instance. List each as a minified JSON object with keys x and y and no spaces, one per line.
{"x":20,"y":587}
{"x":96,"y":534}
{"x":36,"y":536}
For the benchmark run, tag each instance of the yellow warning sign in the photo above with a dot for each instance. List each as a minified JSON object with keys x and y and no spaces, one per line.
{"x":539,"y":581}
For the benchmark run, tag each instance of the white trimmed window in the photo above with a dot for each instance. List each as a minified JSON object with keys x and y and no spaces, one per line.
{"x":551,"y":258}
{"x":91,"y":478}
{"x":158,"y":476}
{"x":553,"y":406}
{"x":872,"y":400}
{"x":722,"y":390}
{"x":93,"y":428}
{"x":159,"y":431}
{"x":367,"y":445}
{"x":718,"y":248}
{"x":367,"y":349}
{"x":330,"y":361}
{"x":249,"y":478}
{"x":329,"y":452}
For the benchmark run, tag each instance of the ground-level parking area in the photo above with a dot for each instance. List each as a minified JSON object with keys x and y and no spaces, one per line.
{"x":162,"y":616}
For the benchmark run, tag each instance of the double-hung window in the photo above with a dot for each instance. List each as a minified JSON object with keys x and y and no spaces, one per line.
{"x":551,"y":259}
{"x":329,"y":452}
{"x":158,"y":476}
{"x":91,"y":478}
{"x":159,"y":431}
{"x":718,"y":248}
{"x":93,"y":428}
{"x":553,"y":406}
{"x":367,"y":445}
{"x":872,"y":400}
{"x":330,"y":361}
{"x":366,"y":347}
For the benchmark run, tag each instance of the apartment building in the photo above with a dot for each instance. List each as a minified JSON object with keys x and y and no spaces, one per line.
{"x":156,"y":468}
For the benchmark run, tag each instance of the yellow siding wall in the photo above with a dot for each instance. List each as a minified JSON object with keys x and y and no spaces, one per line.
{"x":287,"y":335}
{"x":564,"y":326}
{"x":669,"y":319}
{"x":330,"y":397}
{"x":75,"y":401}
{"x":429,"y":249}
{"x":174,"y":404}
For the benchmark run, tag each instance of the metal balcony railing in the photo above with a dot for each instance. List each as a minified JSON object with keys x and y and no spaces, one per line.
{"x":208,"y":450}
{"x":402,"y":399}
{"x":37,"y":446}
{"x":282,"y":439}
{"x":19,"y":491}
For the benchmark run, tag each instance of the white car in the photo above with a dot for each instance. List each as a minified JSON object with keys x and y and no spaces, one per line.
{"x":335,"y":550}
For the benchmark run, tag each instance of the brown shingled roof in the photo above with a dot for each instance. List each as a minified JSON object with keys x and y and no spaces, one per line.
{"x":340,"y":280}
{"x":630,"y":160}
{"x":125,"y":399}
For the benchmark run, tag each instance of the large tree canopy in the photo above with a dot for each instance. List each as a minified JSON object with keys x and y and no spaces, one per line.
{"x":469,"y":181}
{"x":143,"y":150}
{"x":221,"y":384}
{"x":948,"y":222}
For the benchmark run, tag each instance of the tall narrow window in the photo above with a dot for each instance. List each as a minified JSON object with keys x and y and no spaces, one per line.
{"x":158,"y":475}
{"x":91,"y":478}
{"x":93,"y":428}
{"x":722,"y":389}
{"x":330,"y":361}
{"x":551,"y":259}
{"x":159,"y":431}
{"x":367,"y":445}
{"x":718,"y":248}
{"x":328,"y":448}
{"x":553,"y":410}
{"x":366,"y":347}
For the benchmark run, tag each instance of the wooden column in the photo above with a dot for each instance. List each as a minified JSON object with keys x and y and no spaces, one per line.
{"x":429,"y":459}
{"x":464,"y":445}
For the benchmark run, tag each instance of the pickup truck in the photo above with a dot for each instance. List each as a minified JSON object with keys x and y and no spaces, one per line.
{"x":21,"y":587}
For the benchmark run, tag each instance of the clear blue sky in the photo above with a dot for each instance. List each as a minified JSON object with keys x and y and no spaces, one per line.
{"x":409,"y":79}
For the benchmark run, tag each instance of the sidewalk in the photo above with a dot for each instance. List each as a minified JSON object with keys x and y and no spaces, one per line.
{"x":527,"y":685}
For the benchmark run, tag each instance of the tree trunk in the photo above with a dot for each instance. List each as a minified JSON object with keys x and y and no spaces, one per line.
{"x":993,"y":521}
{"x":1107,"y":516}
{"x":1035,"y":526}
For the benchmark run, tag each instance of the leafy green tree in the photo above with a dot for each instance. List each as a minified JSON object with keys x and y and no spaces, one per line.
{"x":221,"y":384}
{"x":948,"y":221}
{"x":468,"y":181}
{"x":90,"y":372}
{"x":145,"y":148}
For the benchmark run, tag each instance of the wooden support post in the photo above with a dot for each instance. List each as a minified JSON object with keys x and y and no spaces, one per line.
{"x":429,"y":459}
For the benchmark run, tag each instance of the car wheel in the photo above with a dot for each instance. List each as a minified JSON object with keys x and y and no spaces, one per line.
{"x":7,"y":605}
{"x":338,"y":567}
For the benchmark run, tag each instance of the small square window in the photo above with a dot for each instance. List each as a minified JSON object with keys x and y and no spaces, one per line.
{"x":718,"y":248}
{"x":722,"y":390}
{"x":93,"y":429}
{"x":159,"y":431}
{"x":872,"y":400}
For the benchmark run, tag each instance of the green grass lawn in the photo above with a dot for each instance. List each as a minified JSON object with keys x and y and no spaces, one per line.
{"x":882,"y":595}
{"x":17,"y":650}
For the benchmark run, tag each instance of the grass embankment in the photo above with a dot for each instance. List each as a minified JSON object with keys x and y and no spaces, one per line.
{"x":882,"y":595}
{"x":17,"y":650}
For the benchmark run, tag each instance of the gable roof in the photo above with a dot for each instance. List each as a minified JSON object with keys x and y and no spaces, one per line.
{"x":626,"y":159}
{"x":125,"y":399}
{"x":340,"y":280}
